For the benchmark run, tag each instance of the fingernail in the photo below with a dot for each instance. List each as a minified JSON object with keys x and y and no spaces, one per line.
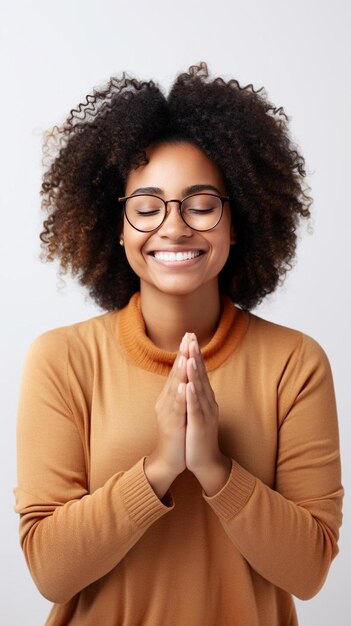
{"x":194,"y":364}
{"x":181,"y":361}
{"x":192,"y":387}
{"x":183,"y":344}
{"x":180,"y":388}
{"x":196,"y":344}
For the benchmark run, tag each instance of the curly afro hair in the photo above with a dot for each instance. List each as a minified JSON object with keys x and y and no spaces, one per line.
{"x":88,"y":159}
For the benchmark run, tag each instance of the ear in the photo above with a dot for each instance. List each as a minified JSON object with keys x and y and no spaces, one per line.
{"x":121,"y":235}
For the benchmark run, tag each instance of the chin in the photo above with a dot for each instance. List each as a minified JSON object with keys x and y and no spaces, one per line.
{"x":177,"y":291}
{"x":180,"y":287}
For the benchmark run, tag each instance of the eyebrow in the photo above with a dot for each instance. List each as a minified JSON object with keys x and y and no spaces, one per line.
{"x":185,"y":192}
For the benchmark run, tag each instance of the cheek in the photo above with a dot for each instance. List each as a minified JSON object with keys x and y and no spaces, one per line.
{"x":224,"y":253}
{"x":222,"y":245}
{"x":225,"y":234}
{"x":133,"y":245}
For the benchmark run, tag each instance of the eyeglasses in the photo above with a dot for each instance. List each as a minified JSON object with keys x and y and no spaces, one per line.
{"x":201,"y":211}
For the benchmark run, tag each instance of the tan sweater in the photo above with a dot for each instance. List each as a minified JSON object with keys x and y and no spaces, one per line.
{"x":98,"y":541}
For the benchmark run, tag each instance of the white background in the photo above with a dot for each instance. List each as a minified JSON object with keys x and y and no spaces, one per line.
{"x":52,"y":55}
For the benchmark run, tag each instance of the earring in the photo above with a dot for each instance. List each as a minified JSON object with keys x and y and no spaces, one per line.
{"x":121,"y":242}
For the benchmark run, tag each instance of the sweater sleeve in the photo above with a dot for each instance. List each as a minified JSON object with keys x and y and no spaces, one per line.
{"x":289,"y":534}
{"x":70,"y":537}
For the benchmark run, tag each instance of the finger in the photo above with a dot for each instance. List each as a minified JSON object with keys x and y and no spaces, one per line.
{"x":202,"y":375}
{"x":195,"y":413}
{"x":171,"y":404}
{"x":180,"y":400}
{"x":184,"y":345}
{"x":194,"y":351}
{"x":180,"y":374}
{"x":178,"y":371}
{"x":174,"y":389}
{"x":193,"y":404}
{"x":198,"y":386}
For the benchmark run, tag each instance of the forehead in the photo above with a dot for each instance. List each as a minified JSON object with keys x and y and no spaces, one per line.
{"x":175,"y":166}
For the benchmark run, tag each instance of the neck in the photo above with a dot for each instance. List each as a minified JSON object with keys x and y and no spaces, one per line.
{"x":168,"y":317}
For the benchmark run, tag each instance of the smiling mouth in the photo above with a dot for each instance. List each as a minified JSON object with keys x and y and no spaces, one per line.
{"x":174,"y":257}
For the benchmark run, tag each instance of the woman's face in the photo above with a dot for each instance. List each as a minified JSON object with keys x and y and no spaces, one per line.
{"x":171,"y":170}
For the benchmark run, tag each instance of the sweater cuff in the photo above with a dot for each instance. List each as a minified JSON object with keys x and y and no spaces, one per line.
{"x":233,"y":496}
{"x":140,"y":500}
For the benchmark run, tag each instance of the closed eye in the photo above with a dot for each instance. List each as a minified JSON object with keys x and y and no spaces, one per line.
{"x":201,"y":210}
{"x":152,"y":212}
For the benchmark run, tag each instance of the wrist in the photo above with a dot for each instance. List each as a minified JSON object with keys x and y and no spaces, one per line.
{"x":158,"y":475}
{"x":214,"y":476}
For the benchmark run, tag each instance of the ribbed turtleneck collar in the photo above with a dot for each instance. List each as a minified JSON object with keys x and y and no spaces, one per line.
{"x":232,"y":325}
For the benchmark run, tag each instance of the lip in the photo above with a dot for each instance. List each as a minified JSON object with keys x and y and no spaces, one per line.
{"x":175,"y":264}
{"x":175,"y":250}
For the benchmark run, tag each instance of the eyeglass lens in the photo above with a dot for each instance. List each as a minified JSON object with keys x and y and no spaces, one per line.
{"x":147,"y":212}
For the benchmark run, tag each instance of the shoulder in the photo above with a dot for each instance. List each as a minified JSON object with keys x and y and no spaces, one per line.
{"x":294,"y":360}
{"x":265,"y":331}
{"x":58,"y":343}
{"x":284,"y":343}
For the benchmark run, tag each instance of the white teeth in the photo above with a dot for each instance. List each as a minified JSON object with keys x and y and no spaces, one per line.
{"x":176,"y":256}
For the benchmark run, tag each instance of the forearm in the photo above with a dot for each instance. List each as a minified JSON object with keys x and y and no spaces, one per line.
{"x":289,"y":545}
{"x":86,"y":537}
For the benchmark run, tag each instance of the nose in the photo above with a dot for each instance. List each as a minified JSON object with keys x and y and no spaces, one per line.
{"x":174,"y":226}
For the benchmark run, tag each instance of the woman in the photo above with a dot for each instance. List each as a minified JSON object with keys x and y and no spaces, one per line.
{"x":178,"y":455}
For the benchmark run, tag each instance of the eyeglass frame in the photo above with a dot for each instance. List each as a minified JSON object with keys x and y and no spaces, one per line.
{"x":223,"y":199}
